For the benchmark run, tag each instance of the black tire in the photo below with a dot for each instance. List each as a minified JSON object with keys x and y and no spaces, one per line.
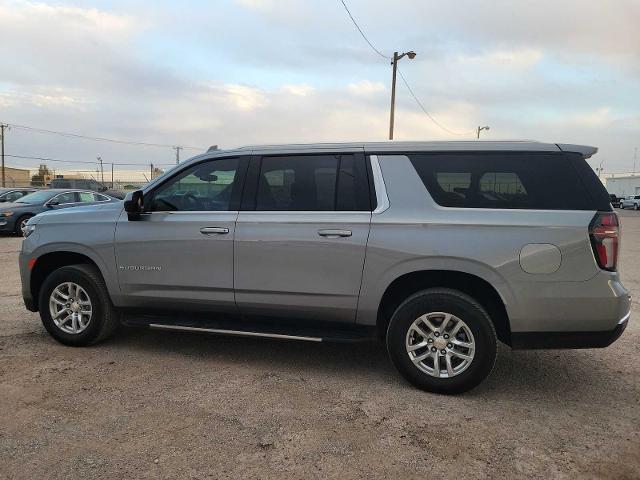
{"x":465,"y":308}
{"x":18,"y":227}
{"x":635,"y":206}
{"x":104,"y":317}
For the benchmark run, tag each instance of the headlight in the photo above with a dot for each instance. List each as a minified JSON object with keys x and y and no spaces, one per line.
{"x":28,"y":230}
{"x":6,"y":214}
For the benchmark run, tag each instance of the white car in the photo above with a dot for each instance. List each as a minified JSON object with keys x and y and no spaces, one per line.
{"x":632,"y":202}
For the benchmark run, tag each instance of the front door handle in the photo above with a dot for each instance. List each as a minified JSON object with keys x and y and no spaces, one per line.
{"x":214,"y":230}
{"x":330,"y":233}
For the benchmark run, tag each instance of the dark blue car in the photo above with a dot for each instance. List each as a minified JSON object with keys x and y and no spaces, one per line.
{"x":14,"y":216}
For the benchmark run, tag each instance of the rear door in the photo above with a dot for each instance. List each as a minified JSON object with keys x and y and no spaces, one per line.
{"x":301,"y":236}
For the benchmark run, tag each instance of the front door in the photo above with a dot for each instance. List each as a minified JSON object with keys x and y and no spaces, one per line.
{"x":180,"y":252}
{"x":300,"y":246}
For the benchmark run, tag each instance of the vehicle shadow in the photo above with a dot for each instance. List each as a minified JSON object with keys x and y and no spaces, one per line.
{"x":543,"y":375}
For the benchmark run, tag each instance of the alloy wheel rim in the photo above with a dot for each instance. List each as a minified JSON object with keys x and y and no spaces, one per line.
{"x":440,"y":344}
{"x":23,"y":224}
{"x":70,"y":308}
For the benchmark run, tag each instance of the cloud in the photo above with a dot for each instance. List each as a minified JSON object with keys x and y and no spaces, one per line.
{"x":365,"y":88}
{"x":245,"y":98}
{"x":265,"y":71}
{"x":300,"y":90}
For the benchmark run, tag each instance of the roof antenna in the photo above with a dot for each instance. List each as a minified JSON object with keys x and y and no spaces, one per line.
{"x":213,"y":148}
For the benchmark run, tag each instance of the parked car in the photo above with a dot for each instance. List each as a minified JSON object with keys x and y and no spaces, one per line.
{"x":78,"y":183}
{"x":13,"y":194}
{"x":426,"y":245}
{"x":615,"y":200}
{"x":14,"y":216}
{"x":631,"y":202}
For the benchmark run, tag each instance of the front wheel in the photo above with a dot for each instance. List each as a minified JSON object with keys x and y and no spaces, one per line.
{"x":442,"y":341}
{"x":75,"y":307}
{"x":21,"y":223}
{"x":635,"y":206}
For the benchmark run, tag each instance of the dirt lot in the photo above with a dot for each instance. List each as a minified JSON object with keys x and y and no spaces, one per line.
{"x":158,"y":404}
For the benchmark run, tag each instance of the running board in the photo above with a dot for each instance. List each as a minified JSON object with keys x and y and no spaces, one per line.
{"x":238,"y":333}
{"x":285,"y":329}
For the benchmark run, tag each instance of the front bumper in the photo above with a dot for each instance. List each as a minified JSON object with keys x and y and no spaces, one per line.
{"x":7,"y":224}
{"x":25,"y":280}
{"x":559,"y":340}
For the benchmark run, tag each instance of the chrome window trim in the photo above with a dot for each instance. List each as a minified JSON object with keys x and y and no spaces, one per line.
{"x":378,"y":183}
{"x":183,"y":212}
{"x":307,"y":212}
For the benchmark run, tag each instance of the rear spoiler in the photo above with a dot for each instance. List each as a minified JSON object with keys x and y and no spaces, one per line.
{"x":584,"y":150}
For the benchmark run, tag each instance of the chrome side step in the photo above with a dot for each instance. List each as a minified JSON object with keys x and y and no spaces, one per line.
{"x":238,"y":333}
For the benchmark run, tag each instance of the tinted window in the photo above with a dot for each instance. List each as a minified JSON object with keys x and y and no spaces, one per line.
{"x":207,"y":186}
{"x":503,"y":180}
{"x":312,"y":183}
{"x":13,"y":196}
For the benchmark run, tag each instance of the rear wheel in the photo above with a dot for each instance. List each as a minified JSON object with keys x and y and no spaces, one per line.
{"x":75,"y":307}
{"x":21,"y":223}
{"x":442,"y":341}
{"x":635,"y":206}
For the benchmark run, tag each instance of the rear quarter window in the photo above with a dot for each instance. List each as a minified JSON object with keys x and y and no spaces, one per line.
{"x":503,"y":180}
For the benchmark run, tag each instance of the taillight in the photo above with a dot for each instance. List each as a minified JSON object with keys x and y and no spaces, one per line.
{"x":604,"y":232}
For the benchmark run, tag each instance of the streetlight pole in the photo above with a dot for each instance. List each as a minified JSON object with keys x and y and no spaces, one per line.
{"x":101,"y":170}
{"x":479,"y":129}
{"x":411,"y":54}
{"x":3,"y":127}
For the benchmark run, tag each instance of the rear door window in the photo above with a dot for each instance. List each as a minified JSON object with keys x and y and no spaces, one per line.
{"x":312,"y":183}
{"x":500,"y":180}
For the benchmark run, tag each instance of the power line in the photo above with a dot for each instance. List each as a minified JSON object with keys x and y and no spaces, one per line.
{"x":48,"y":159}
{"x":406,"y":84}
{"x":100,"y":139}
{"x":362,"y":33}
{"x":404,"y":80}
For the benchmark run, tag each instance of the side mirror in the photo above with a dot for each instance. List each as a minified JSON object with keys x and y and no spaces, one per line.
{"x":134,"y":205}
{"x":53,"y":203}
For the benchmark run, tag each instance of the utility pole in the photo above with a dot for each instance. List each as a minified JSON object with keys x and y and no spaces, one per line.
{"x":101,"y":169}
{"x":411,"y":54}
{"x":151,"y":171}
{"x":479,"y":129}
{"x":111,"y":175}
{"x":635,"y":157}
{"x":177,"y":149}
{"x":3,"y":127}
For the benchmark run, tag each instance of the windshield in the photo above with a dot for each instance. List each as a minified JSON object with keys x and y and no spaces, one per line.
{"x":37,"y":197}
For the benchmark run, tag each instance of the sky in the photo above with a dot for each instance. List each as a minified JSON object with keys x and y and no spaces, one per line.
{"x":241,"y":72}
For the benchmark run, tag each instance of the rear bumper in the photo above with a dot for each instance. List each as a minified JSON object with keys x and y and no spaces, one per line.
{"x":546,"y":340}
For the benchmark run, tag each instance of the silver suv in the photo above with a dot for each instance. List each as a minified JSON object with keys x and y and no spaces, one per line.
{"x":438,"y":248}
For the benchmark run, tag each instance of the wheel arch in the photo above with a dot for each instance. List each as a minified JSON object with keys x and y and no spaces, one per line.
{"x":50,"y":262}
{"x":478,"y":288}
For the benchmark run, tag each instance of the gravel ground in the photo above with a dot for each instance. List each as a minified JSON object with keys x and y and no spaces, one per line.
{"x":157,"y":404}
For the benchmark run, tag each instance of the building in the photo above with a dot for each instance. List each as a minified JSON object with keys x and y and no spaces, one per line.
{"x":17,"y":177}
{"x":624,"y":185}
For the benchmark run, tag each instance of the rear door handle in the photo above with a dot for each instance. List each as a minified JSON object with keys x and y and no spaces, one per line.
{"x":330,"y":233}
{"x":214,"y":230}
